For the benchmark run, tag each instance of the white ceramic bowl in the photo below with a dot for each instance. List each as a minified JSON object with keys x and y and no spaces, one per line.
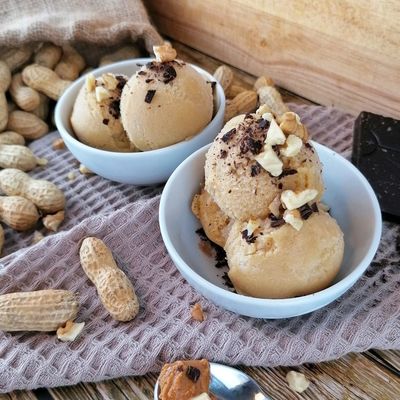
{"x":353,"y":204}
{"x":141,"y":168}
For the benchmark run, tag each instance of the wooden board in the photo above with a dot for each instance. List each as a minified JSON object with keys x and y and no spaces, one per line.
{"x":345,"y":54}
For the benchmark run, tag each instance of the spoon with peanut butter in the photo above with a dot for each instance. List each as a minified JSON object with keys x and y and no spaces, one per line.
{"x":201,"y":380}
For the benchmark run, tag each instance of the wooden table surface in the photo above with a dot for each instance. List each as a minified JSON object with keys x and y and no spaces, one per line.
{"x":370,"y":375}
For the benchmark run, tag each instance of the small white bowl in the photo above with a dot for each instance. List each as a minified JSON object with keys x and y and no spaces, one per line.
{"x":353,"y":204}
{"x":140,"y":168}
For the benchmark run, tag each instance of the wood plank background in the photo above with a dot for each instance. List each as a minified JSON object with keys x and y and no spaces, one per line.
{"x":342,"y":53}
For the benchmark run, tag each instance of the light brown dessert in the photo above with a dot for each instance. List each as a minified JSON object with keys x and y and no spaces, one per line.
{"x":215,"y":223}
{"x":96,"y":118}
{"x":165,"y":103}
{"x":235,"y":177}
{"x":183,"y":380}
{"x":281,"y":261}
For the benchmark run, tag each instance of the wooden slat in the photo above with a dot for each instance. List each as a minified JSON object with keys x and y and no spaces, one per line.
{"x":341,"y":53}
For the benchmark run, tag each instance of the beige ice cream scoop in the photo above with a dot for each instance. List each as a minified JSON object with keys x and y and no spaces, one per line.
{"x":95,"y":116}
{"x":215,"y":223}
{"x":237,"y":181}
{"x":165,"y":103}
{"x":281,"y":261}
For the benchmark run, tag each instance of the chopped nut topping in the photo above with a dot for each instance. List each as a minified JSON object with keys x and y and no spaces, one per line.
{"x":293,"y":218}
{"x":197,"y":313}
{"x":164,"y":52}
{"x":293,"y":200}
{"x":70,"y":331}
{"x":297,"y":381}
{"x":58,"y":144}
{"x":90,"y":82}
{"x":293,"y":146}
{"x":110,"y":81}
{"x":269,"y":160}
{"x":101,"y":94}
{"x":262,"y":110}
{"x":275,"y":135}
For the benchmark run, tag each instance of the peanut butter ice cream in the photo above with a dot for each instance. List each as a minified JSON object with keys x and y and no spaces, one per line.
{"x":164,"y":103}
{"x":183,"y":380}
{"x":95,"y":117}
{"x":275,"y":260}
{"x":236,"y":173}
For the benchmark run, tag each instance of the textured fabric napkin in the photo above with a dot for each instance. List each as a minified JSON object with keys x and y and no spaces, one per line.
{"x":126,"y":218}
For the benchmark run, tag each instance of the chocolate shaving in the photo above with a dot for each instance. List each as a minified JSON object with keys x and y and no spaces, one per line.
{"x":314,"y":207}
{"x":169,"y":74}
{"x":220,"y":255}
{"x":106,"y":121}
{"x":255,"y":169}
{"x":228,"y":135}
{"x":193,"y":373}
{"x":248,"y":238}
{"x":308,"y":145}
{"x":227,"y":281}
{"x":149,"y":80}
{"x":142,"y":73}
{"x":149,"y":96}
{"x":223,"y":154}
{"x":263,"y":123}
{"x":121,"y":82}
{"x":252,"y":145}
{"x":276,"y":221}
{"x":305,"y":211}
{"x":113,"y":109}
{"x":280,"y":186}
{"x":287,"y":172}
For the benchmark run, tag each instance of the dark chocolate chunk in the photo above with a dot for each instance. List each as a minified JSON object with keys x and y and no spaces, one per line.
{"x":255,"y":169}
{"x":114,"y":109}
{"x":142,"y":73}
{"x":106,"y":121}
{"x":149,"y":80}
{"x":248,"y":238}
{"x":376,"y":153}
{"x":280,"y":186}
{"x":276,"y":221}
{"x":220,"y":255}
{"x":308,"y":145}
{"x":193,"y":373}
{"x":228,"y":135}
{"x":227,"y":281}
{"x":121,"y":82}
{"x":287,"y":172}
{"x":263,"y":123}
{"x":169,"y":74}
{"x":305,"y":211}
{"x":223,"y":154}
{"x":248,"y":116}
{"x":314,"y":207}
{"x":252,"y":145}
{"x":149,"y":96}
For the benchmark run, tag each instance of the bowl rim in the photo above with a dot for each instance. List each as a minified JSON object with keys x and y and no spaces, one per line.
{"x":65,"y":133}
{"x":339,"y":287}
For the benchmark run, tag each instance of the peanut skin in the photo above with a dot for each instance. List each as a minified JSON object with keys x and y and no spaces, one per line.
{"x":113,"y":287}
{"x":18,"y":213}
{"x":44,"y":194}
{"x":41,"y":310}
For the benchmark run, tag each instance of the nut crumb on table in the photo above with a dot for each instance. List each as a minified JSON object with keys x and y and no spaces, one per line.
{"x":197,"y":313}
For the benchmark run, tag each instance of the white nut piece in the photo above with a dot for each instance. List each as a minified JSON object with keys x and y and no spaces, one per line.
{"x":263,"y":109}
{"x":101,"y":94}
{"x":297,"y":381}
{"x":84,"y":170}
{"x":268,"y":115}
{"x":275,"y":135}
{"x":270,"y":161}
{"x":90,"y":82}
{"x":70,"y":331}
{"x":164,"y":52}
{"x":293,"y":218}
{"x":110,"y":81}
{"x":292,"y":200}
{"x":293,"y":146}
{"x":252,"y":225}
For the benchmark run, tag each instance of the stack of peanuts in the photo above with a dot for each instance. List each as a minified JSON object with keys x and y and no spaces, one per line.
{"x":32,"y":78}
{"x":241,"y":100}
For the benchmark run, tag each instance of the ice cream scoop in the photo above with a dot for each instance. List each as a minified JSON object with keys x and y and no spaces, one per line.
{"x":215,"y":223}
{"x":95,"y":117}
{"x":272,"y":259}
{"x":164,"y":103}
{"x":252,"y":160}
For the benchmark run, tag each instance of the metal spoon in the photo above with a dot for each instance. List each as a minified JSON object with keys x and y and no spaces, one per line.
{"x":229,"y":384}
